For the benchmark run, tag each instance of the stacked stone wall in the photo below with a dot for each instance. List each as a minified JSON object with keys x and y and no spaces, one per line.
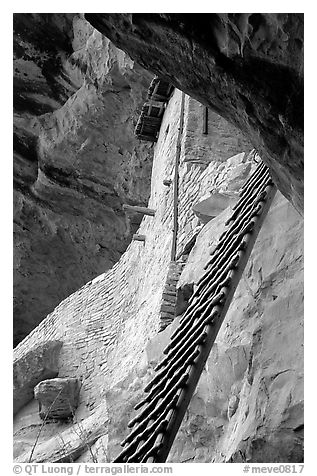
{"x":168,"y":306}
{"x":221,"y":142}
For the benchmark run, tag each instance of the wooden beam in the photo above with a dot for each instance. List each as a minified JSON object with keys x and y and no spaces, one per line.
{"x":142,"y":210}
{"x":167,"y":182}
{"x":137,"y":237}
{"x":150,"y":107}
{"x":147,"y":138}
{"x":176,"y":179}
{"x":205,"y":120}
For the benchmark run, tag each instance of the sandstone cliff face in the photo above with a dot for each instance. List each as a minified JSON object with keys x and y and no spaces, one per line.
{"x":246,"y":67}
{"x":76,"y":159}
{"x":248,"y":405}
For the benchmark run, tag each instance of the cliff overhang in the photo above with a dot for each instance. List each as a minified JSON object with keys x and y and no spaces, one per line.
{"x":246,"y":67}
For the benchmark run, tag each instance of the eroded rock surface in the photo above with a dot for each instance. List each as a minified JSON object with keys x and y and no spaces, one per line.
{"x":76,"y":159}
{"x":106,"y":325}
{"x":38,"y":364}
{"x":58,"y":443}
{"x":247,"y":67}
{"x":248,"y":405}
{"x":57,"y":397}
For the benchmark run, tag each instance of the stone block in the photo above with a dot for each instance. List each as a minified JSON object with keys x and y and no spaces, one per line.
{"x":236,"y":159}
{"x":240,"y":172}
{"x":212,"y":206}
{"x":168,"y":298}
{"x":38,"y":364}
{"x":58,"y":398}
{"x":170,"y":290}
{"x":165,"y":316}
{"x":173,"y":275}
{"x":171,"y":281}
{"x":166,"y":308}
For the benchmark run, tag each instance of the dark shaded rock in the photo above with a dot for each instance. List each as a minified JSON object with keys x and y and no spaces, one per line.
{"x":76,"y":159}
{"x":38,"y":364}
{"x":246,"y":67}
{"x":284,"y":445}
{"x":42,"y":45}
{"x":57,"y":397}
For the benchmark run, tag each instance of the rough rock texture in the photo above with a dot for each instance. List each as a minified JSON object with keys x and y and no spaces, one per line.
{"x":246,"y":67}
{"x":76,"y":159}
{"x":57,"y":397}
{"x":36,"y":365}
{"x":60,"y":442}
{"x":197,"y":184}
{"x":249,"y":400}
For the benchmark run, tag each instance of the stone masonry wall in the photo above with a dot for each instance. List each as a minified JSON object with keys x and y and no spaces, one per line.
{"x":224,"y":164}
{"x":221,"y":142}
{"x":169,"y":299}
{"x":106,"y":324}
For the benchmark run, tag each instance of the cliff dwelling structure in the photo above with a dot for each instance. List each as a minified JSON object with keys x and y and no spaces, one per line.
{"x":158,"y":215}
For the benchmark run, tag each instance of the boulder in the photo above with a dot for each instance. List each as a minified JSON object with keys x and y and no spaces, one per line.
{"x":212,"y":206}
{"x":57,"y":397}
